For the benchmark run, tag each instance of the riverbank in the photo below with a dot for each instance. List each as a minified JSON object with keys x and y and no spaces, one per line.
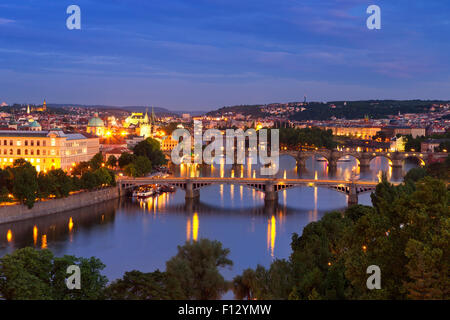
{"x":12,"y":213}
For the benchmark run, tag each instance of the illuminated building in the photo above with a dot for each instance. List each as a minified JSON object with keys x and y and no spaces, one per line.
{"x":46,"y":149}
{"x":145,"y":128}
{"x":34,"y":126}
{"x":137,"y":118}
{"x":43,"y":108}
{"x":398,"y":144}
{"x":167,"y":143}
{"x":392,"y":131}
{"x":96,"y":126}
{"x":360,"y":132}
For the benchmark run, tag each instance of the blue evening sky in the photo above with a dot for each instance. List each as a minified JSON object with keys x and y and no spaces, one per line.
{"x":204,"y":54}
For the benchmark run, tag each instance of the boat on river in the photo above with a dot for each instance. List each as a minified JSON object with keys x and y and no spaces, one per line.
{"x":143,"y":192}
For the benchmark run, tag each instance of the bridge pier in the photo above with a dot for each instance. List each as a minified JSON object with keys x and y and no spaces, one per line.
{"x":191,"y":193}
{"x":364,"y":162}
{"x":352,"y":196}
{"x":301,"y":162}
{"x":332,"y":164}
{"x":270,"y":194}
{"x":397,"y":163}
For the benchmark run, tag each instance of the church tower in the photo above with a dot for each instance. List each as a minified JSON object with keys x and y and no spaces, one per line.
{"x":145,"y":128}
{"x":44,"y":106}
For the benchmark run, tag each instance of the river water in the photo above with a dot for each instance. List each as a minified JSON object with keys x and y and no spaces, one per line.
{"x":142,"y":235}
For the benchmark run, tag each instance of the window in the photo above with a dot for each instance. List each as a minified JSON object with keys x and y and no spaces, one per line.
{"x":32,"y":143}
{"x":5,"y":142}
{"x":44,"y":152}
{"x":26,"y":151}
{"x":26,"y":142}
{"x":19,"y":143}
{"x":11,"y":151}
{"x":38,"y":152}
{"x":18,"y":152}
{"x":32,"y":152}
{"x":10,"y":142}
{"x":44,"y":143}
{"x":5,"y":151}
{"x":53,"y":142}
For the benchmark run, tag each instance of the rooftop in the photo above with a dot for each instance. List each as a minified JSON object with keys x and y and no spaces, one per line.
{"x":43,"y":134}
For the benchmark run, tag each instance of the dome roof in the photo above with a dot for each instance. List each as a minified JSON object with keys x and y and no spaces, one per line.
{"x":95,"y":122}
{"x":35,"y":124}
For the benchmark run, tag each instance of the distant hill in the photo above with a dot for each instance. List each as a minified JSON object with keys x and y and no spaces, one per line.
{"x":374,"y":109}
{"x":158,"y":110}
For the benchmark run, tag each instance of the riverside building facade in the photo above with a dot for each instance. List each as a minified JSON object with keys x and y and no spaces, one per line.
{"x":46,"y":150}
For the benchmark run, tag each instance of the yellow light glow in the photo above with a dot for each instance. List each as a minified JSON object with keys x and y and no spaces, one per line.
{"x":188,"y":230}
{"x":70,"y":224}
{"x":44,"y":241}
{"x":195,"y":224}
{"x":9,"y":235}
{"x":273,"y":233}
{"x":35,"y":234}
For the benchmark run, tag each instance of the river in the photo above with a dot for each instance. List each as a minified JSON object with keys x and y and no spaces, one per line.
{"x":142,"y":235}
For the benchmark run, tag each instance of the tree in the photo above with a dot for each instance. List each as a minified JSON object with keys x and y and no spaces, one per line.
{"x":29,"y":274}
{"x":93,"y":283}
{"x":130,"y":170}
{"x":112,"y":161}
{"x":140,"y":167}
{"x":25,"y":185}
{"x":103,"y":177}
{"x":125,"y":159}
{"x":96,"y":161}
{"x":150,"y":148}
{"x":143,"y":166}
{"x":136,"y":285}
{"x":415,"y":175}
{"x":89,"y":180}
{"x":195,"y":269}
{"x":46,"y":184}
{"x":81,"y":168}
{"x":63,"y":184}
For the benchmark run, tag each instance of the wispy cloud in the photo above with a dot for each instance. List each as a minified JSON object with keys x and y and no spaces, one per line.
{"x":6,"y":21}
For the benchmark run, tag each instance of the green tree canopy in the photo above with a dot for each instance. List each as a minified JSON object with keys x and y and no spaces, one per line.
{"x":195,"y":269}
{"x":25,"y":183}
{"x":30,"y":274}
{"x":151,"y":149}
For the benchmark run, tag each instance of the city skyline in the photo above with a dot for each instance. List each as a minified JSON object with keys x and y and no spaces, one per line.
{"x":207,"y":55}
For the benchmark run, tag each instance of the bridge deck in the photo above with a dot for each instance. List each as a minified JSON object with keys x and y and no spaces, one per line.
{"x":218,"y":180}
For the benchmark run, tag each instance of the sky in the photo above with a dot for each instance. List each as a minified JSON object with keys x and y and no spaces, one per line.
{"x":204,"y":54}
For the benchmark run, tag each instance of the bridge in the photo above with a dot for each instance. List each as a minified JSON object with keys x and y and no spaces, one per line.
{"x":269,"y":186}
{"x":396,"y":159}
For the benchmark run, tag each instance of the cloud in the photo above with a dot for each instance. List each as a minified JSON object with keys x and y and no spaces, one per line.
{"x":6,"y":21}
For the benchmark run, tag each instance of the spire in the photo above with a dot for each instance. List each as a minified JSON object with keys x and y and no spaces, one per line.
{"x":153,"y":118}
{"x":146,"y":116}
{"x":28,"y":108}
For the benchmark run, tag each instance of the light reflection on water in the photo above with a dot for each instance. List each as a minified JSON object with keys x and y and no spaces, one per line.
{"x":142,"y":235}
